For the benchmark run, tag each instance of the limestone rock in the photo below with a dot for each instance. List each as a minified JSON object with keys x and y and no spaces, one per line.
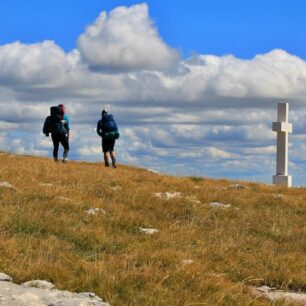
{"x":94,"y":211}
{"x":219,"y":205}
{"x":5,"y":278}
{"x":15,"y":295}
{"x":7,"y":185}
{"x":275,"y":295}
{"x":167,"y":195}
{"x":148,"y":231}
{"x":42,"y":284}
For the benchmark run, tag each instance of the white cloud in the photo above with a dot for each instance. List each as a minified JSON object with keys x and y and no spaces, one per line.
{"x":90,"y":151}
{"x":38,"y":64}
{"x":217,"y":153}
{"x":124,"y":40}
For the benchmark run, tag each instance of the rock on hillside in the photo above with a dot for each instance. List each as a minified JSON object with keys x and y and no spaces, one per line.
{"x":19,"y":295}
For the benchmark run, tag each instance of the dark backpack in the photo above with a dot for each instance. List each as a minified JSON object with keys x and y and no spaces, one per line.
{"x":109,"y":127}
{"x":53,"y":123}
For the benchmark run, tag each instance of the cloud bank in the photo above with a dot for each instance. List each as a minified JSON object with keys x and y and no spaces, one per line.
{"x":205,"y":115}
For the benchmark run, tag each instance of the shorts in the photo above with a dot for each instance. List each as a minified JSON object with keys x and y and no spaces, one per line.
{"x":108,"y":145}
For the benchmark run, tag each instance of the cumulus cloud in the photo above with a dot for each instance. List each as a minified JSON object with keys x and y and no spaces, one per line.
{"x":269,"y":77}
{"x":125,"y":40}
{"x":40,"y":63}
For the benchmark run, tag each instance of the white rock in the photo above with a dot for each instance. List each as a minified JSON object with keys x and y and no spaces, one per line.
{"x":94,"y":211}
{"x":167,"y":195}
{"x":148,"y":231}
{"x":172,"y":195}
{"x":219,"y":205}
{"x":41,"y":284}
{"x":275,"y":295}
{"x":265,"y":288}
{"x":90,"y":211}
{"x":15,"y":295}
{"x":7,"y":185}
{"x":5,"y":278}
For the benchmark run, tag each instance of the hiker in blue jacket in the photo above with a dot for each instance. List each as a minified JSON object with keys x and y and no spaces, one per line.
{"x":65,"y":119}
{"x":58,"y":124}
{"x":108,"y":130}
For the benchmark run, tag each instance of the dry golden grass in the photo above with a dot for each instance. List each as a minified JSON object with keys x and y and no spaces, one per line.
{"x":45,"y":234}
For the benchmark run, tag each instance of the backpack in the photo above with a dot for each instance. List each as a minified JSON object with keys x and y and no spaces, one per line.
{"x":53,"y":123}
{"x":109,"y":127}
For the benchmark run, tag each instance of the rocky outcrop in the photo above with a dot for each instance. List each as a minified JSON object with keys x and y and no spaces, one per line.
{"x":299,"y":298}
{"x":39,"y":293}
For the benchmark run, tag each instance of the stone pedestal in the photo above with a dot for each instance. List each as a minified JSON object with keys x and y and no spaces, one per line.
{"x":282,"y":127}
{"x":285,"y":180}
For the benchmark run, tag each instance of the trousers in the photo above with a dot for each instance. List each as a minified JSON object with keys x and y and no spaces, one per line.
{"x":60,"y":139}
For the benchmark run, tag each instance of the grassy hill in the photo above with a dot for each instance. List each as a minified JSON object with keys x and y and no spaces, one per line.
{"x":202,"y":255}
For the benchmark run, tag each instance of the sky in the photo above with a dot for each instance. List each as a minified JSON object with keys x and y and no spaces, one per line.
{"x":193,"y":85}
{"x":240,"y":27}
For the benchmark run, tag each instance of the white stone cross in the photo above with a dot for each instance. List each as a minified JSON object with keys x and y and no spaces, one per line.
{"x":282,"y":127}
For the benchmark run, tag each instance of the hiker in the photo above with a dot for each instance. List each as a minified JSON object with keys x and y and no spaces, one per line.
{"x":108,"y":130}
{"x":58,"y":125}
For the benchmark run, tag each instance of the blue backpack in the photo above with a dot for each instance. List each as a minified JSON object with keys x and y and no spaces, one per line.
{"x":109,"y":127}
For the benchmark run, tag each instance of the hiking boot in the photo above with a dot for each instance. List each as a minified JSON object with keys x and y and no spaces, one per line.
{"x":106,"y":164}
{"x":56,"y":159}
{"x":65,"y":160}
{"x":114,"y":162}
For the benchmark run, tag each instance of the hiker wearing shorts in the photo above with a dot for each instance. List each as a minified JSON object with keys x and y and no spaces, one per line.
{"x":107,"y":129}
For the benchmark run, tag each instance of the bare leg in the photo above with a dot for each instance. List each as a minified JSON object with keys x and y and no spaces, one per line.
{"x":112,"y":155}
{"x":106,"y":163}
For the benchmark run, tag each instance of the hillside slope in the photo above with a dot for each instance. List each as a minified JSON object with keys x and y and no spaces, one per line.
{"x":82,"y":227}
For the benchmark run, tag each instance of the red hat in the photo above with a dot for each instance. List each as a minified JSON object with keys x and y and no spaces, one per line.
{"x":62,"y":108}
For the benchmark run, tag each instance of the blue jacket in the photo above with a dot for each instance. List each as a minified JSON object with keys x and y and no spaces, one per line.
{"x":66,"y":122}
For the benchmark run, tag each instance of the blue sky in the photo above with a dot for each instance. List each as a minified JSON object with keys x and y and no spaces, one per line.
{"x":239,"y":27}
{"x":193,"y":85}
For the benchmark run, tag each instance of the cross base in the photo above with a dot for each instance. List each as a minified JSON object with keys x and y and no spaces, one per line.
{"x":285,"y":180}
